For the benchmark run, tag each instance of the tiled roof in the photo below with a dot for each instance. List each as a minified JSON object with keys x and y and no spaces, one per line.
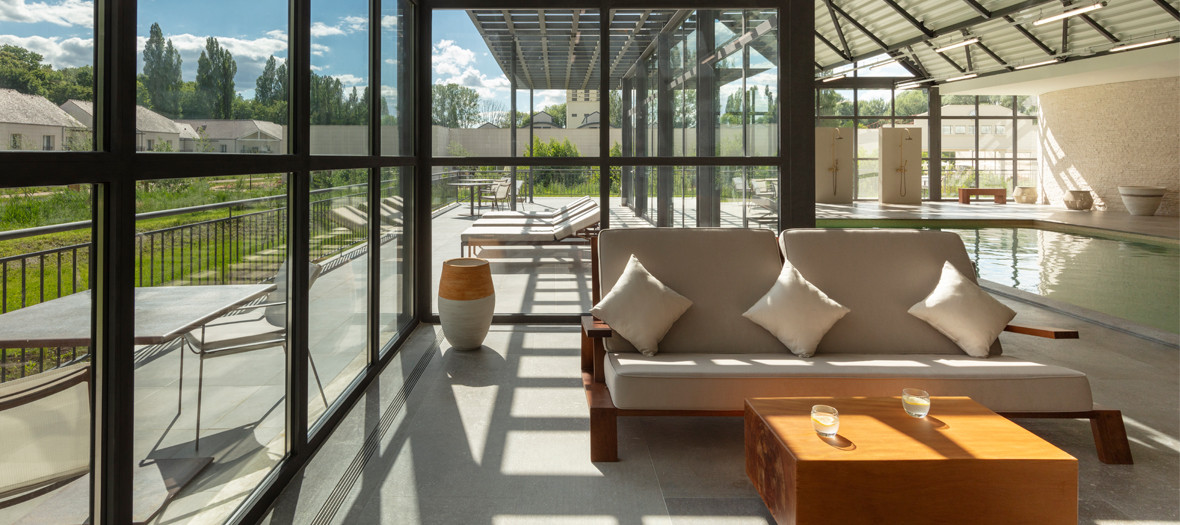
{"x":234,"y":129}
{"x":19,"y":108}
{"x":145,"y":119}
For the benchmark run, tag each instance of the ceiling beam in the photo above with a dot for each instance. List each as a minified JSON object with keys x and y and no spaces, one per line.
{"x":918,"y":62}
{"x":991,"y":54}
{"x":832,"y":46}
{"x":1101,"y":30}
{"x":545,"y":48}
{"x":839,"y":30}
{"x":949,"y":60}
{"x":597,"y":56}
{"x":1169,"y":8}
{"x":909,"y":18}
{"x":861,"y":27}
{"x":953,"y":28}
{"x":569,"y":59}
{"x":979,"y":8}
{"x":1031,"y":37}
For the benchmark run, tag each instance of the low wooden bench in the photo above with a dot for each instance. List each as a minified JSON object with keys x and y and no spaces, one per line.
{"x":1000,"y":194}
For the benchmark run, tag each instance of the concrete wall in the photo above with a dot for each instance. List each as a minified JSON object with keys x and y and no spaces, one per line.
{"x":1099,"y":137}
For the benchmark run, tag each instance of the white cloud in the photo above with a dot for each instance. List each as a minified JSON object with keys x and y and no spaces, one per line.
{"x":391,"y":61}
{"x":355,"y":23}
{"x":320,"y":29}
{"x":277,"y":34}
{"x":319,"y":49}
{"x":250,"y":54}
{"x":349,"y":79}
{"x":450,"y":59}
{"x":316,"y":68}
{"x":388,"y":21}
{"x":66,"y":13}
{"x":456,"y":65}
{"x":58,"y":52}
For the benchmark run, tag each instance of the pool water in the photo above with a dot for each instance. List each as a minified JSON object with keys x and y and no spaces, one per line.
{"x":1130,"y":279}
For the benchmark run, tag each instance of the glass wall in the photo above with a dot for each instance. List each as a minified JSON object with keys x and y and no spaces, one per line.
{"x":210,"y":335}
{"x":338,"y":272}
{"x":194,"y":253}
{"x":210,"y":85}
{"x":988,"y":142}
{"x":45,"y":341}
{"x":682,"y":83}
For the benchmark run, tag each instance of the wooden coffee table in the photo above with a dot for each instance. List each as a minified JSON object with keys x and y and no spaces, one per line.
{"x":961,"y":464}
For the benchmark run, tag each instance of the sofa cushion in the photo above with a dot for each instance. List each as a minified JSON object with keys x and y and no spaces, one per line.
{"x":878,"y":275}
{"x":722,"y":271}
{"x":796,"y":312}
{"x":721,"y":382}
{"x":641,"y":308}
{"x":962,"y":311}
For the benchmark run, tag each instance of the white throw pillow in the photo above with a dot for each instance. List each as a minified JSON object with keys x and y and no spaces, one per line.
{"x":641,"y":308}
{"x":796,"y":312}
{"x":962,"y":311}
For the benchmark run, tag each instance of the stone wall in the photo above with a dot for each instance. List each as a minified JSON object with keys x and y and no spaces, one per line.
{"x":1099,"y":137}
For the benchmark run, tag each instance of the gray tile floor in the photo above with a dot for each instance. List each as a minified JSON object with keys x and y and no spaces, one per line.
{"x":500,"y":435}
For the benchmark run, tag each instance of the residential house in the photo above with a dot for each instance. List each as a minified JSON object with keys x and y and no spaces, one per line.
{"x":32,"y":122}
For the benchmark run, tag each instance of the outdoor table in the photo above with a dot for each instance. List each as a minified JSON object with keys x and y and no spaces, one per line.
{"x":474,"y":185}
{"x":162,"y":313}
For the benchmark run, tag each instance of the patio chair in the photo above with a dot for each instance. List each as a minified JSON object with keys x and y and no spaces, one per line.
{"x":45,"y":429}
{"x":537,"y":220}
{"x":499,"y":193}
{"x":254,"y":327}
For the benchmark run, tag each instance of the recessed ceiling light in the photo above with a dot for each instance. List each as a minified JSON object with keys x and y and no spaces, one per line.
{"x":944,"y":49}
{"x":1125,"y":47}
{"x":1045,"y":63}
{"x":1071,"y":12}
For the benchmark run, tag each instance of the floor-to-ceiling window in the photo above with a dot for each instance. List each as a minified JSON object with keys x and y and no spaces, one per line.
{"x":204,"y":311}
{"x":687,"y":134}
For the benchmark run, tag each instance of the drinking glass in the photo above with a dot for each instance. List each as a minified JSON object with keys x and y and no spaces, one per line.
{"x":825,"y":420}
{"x":916,"y":402}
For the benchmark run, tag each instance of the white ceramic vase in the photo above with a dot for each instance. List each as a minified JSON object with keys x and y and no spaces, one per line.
{"x":466,"y":301}
{"x":1142,"y":200}
{"x":1079,"y":200}
{"x":1025,"y":194}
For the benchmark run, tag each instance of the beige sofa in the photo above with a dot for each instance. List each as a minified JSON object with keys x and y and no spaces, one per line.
{"x":713,"y":358}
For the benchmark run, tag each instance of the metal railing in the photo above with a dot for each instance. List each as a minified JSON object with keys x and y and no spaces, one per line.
{"x":242,"y":247}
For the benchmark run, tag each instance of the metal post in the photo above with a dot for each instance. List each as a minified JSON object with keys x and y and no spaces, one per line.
{"x":708,"y":202}
{"x":512,"y":124}
{"x":664,"y":116}
{"x":934,"y":177}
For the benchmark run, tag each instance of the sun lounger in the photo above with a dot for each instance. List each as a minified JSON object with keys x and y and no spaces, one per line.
{"x":569,"y":231}
{"x":548,"y":214}
{"x":571,"y":212}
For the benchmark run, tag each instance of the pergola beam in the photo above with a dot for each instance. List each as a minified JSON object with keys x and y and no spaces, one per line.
{"x":569,"y":60}
{"x":545,"y":48}
{"x":991,"y":54}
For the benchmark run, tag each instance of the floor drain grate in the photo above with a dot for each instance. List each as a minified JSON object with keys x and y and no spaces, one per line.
{"x":372,"y":441}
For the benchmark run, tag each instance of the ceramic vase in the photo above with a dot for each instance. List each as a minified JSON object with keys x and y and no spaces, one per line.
{"x":1142,"y":200}
{"x":466,"y":301}
{"x":1025,"y":194}
{"x":1080,"y":200}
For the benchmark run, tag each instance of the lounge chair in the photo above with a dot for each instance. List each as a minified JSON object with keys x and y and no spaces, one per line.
{"x":538,"y":221}
{"x":549,"y":214}
{"x":45,"y":428}
{"x":571,"y":230}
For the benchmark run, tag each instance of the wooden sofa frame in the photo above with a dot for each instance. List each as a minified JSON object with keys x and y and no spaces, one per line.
{"x":1110,"y":434}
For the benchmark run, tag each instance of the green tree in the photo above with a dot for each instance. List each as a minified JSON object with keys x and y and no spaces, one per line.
{"x":454,"y":106}
{"x":161,"y":69}
{"x":266,"y":88}
{"x":21,"y":69}
{"x":547,"y":175}
{"x":557,"y":111}
{"x":911,"y":102}
{"x":215,"y":78}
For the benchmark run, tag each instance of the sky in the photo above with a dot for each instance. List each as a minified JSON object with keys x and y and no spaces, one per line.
{"x":253,"y":30}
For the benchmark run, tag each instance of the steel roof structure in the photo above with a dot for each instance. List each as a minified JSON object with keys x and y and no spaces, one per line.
{"x":561,"y":48}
